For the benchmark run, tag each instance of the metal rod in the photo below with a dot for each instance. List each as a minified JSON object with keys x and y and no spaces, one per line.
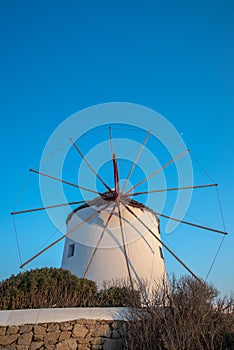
{"x":164,"y":245}
{"x":99,"y":241}
{"x":134,"y":164}
{"x":65,"y":235}
{"x":124,"y":244}
{"x":191,"y":224}
{"x":157,"y":171}
{"x":63,"y":181}
{"x":44,"y":208}
{"x":171,"y":189}
{"x":89,"y":165}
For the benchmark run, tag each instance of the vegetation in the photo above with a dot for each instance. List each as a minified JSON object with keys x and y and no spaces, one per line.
{"x":187,"y":315}
{"x":184,"y":315}
{"x":52,"y":287}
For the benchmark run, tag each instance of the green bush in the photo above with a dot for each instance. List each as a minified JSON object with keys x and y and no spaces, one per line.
{"x":45,"y":288}
{"x":118,"y":296}
{"x":52,"y":287}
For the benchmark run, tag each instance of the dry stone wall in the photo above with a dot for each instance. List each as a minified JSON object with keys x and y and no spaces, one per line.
{"x":82,"y":334}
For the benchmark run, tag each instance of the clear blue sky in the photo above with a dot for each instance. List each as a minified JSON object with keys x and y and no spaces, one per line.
{"x":58,"y":57}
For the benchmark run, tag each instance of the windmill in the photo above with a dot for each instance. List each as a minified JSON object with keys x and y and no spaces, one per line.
{"x":132,"y":230}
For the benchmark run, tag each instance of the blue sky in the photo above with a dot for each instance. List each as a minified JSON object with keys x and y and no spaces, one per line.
{"x":58,"y":57}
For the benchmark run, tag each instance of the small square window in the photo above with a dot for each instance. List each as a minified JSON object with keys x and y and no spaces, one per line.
{"x":161,"y":253}
{"x":71,"y":250}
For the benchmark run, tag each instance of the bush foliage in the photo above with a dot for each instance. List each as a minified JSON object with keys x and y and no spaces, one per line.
{"x":187,"y":315}
{"x":52,"y":287}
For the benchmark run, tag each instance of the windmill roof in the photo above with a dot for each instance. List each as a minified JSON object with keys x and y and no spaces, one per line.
{"x":106,"y":197}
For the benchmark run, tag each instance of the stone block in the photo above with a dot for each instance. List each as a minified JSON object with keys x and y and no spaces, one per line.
{"x":68,"y":344}
{"x":51,"y":338}
{"x":12,"y":330}
{"x":64,"y":335}
{"x":66,"y":326}
{"x":103,"y":330}
{"x":116,"y":324}
{"x":97,"y":341}
{"x":39,"y":332}
{"x":83,"y":347}
{"x":115,"y":334}
{"x":25,"y":338}
{"x":49,"y":347}
{"x":2,"y":330}
{"x":36,"y":345}
{"x":79,"y":331}
{"x":113,"y":344}
{"x":25,"y":328}
{"x":8,"y":339}
{"x":86,"y":322}
{"x":22,"y":347}
{"x":52,"y":327}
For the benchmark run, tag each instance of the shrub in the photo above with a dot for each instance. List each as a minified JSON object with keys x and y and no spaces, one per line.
{"x":188,"y":315}
{"x":52,"y":287}
{"x":44,"y":288}
{"x":118,"y":296}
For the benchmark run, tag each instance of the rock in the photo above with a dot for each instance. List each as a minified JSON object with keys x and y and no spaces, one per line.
{"x":51,"y":338}
{"x":25,"y":328}
{"x":22,"y":347}
{"x":39,"y":332}
{"x":36,"y":345}
{"x":2,"y":330}
{"x":86,"y":322}
{"x":68,"y":344}
{"x":116,"y":324}
{"x":66,"y":326}
{"x":115,"y":334}
{"x":103,"y":330}
{"x":12,"y":330}
{"x":96,"y":347}
{"x":53,"y":327}
{"x":113,"y":344}
{"x":8,"y":339}
{"x":64,"y":335}
{"x":83,"y":347}
{"x":97,"y":341}
{"x":9,"y":347}
{"x":49,"y":347}
{"x":25,"y":338}
{"x":79,"y":331}
{"x":84,"y":341}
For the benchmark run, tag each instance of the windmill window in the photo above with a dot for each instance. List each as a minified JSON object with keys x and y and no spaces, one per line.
{"x":71,"y":250}
{"x":161,"y":253}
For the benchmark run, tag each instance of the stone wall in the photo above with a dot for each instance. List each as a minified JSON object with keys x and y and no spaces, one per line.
{"x":82,"y":334}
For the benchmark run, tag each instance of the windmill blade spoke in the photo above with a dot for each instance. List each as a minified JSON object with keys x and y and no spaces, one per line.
{"x":63,"y":181}
{"x":111,"y":142}
{"x":163,"y":244}
{"x":124,"y":244}
{"x":171,"y":189}
{"x":48,"y":207}
{"x":157,"y":171}
{"x":191,"y":224}
{"x":89,"y":165}
{"x":99,"y":241}
{"x":65,"y":235}
{"x":135,"y":162}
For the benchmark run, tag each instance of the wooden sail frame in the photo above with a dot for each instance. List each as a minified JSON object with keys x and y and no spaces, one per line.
{"x":118,"y":197}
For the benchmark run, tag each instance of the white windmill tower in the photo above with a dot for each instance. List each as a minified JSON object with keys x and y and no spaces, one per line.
{"x":114,"y":236}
